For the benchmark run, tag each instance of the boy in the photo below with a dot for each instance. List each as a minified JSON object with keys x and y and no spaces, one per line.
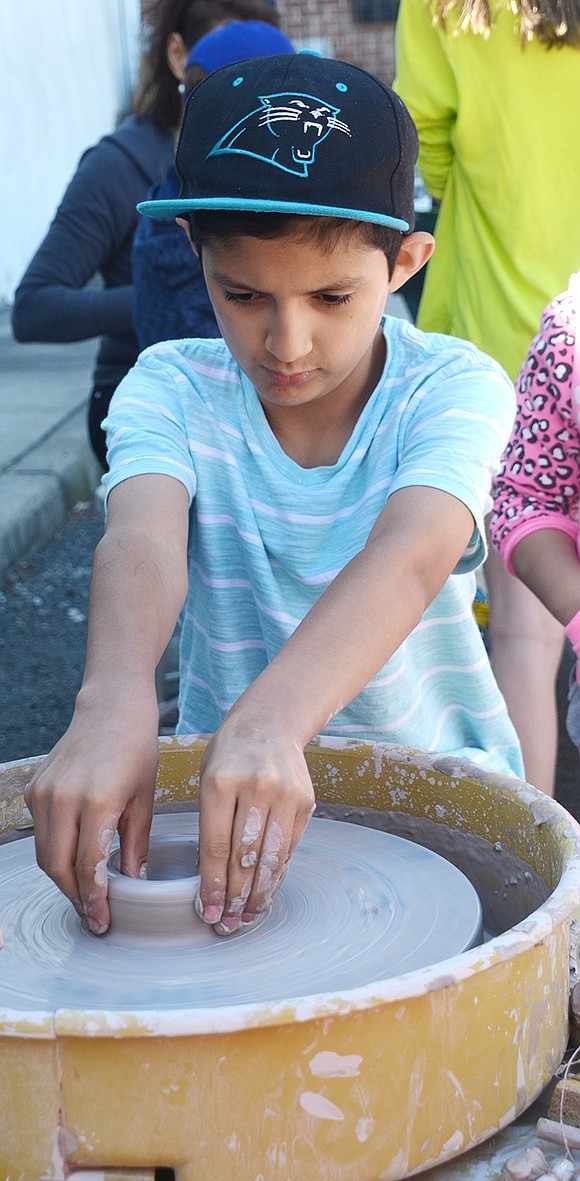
{"x":305,"y":486}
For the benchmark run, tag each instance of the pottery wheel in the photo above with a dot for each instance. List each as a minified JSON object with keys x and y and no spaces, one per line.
{"x":357,"y":906}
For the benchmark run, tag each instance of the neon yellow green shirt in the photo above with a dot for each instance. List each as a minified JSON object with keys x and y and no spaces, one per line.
{"x":499,"y":129}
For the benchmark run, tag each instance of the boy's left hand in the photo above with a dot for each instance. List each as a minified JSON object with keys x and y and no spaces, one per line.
{"x":256,"y":798}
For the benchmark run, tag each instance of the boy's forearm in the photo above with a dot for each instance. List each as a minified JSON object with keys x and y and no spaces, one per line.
{"x":349,"y":634}
{"x":137,"y":591}
{"x":325,"y":663}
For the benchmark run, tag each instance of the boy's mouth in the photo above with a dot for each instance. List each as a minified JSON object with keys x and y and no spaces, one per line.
{"x":289,"y":378}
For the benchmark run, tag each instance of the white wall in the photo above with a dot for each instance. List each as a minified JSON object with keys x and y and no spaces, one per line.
{"x":66,"y":72}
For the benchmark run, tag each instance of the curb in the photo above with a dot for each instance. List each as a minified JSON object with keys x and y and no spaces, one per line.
{"x":38,"y":490}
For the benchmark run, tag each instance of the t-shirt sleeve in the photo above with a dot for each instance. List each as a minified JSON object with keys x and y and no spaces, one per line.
{"x":537,"y":483}
{"x":453,"y":435}
{"x":145,"y":426}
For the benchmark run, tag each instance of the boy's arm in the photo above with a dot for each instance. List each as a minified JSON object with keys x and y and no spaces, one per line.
{"x":100,"y":776}
{"x":256,"y":794}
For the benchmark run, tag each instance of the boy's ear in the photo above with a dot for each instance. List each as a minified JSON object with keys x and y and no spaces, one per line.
{"x":416,"y":250}
{"x":183,"y":222}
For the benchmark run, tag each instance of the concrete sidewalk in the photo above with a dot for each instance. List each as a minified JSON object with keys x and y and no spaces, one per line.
{"x":46,"y":463}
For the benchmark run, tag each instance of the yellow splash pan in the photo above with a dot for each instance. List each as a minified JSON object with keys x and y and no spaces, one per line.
{"x":372,"y":1084}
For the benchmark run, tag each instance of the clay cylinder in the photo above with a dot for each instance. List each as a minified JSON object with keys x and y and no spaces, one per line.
{"x":159,"y":905}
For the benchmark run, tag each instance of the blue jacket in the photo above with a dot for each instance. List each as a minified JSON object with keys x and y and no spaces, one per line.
{"x":90,"y":236}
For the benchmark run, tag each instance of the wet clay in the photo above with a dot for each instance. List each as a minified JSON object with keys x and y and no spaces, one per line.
{"x":508,"y":888}
{"x":358,"y":905}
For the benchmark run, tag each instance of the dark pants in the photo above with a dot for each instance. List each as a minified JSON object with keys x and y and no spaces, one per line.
{"x":412,"y":290}
{"x":98,"y":410}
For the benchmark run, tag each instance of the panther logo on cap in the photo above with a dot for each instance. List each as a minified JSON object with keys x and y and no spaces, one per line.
{"x":285,"y":131}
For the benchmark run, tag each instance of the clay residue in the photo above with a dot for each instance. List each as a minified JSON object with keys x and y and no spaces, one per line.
{"x":253,"y":827}
{"x":319,"y":1106}
{"x":328,"y":1064}
{"x":508,"y":888}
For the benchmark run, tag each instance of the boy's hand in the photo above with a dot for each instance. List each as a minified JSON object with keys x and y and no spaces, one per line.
{"x":99,"y":778}
{"x":256,"y":798}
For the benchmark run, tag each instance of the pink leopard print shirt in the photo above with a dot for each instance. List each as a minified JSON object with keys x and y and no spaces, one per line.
{"x":538,"y":484}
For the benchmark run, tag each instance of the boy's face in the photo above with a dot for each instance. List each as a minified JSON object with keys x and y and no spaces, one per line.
{"x":303,"y":324}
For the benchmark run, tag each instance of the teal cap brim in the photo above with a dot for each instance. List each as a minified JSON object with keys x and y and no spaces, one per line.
{"x":166,"y":210}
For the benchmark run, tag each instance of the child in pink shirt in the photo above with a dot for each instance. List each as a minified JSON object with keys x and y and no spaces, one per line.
{"x":535,"y":524}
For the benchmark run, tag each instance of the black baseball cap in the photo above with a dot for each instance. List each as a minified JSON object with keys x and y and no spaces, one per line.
{"x":295,"y":133}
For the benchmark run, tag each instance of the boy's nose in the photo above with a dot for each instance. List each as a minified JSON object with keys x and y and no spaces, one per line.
{"x":288,"y":338}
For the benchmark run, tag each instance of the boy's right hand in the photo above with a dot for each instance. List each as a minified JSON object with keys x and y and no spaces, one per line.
{"x":98,"y":779}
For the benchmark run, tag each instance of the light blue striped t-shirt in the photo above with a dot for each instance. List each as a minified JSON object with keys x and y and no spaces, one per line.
{"x":268,"y":536}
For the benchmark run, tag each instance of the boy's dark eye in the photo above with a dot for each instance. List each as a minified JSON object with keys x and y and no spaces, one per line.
{"x":239,"y":296}
{"x":333,"y":300}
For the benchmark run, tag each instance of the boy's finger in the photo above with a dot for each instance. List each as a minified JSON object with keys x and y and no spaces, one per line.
{"x":247,"y":840}
{"x":56,"y":850}
{"x":251,"y":894}
{"x":264,"y":854}
{"x":274,"y":856}
{"x":134,"y":830}
{"x":215,"y":842}
{"x":273,"y":865}
{"x":300,"y":824}
{"x":96,"y":836}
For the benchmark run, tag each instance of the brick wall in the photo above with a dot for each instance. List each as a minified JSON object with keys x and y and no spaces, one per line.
{"x":329,"y":26}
